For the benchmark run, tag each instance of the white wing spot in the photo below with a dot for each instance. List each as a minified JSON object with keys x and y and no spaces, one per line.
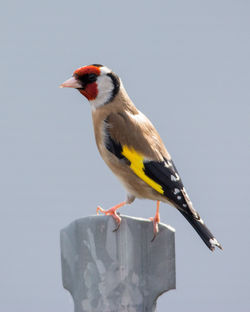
{"x":166,"y":164}
{"x":176,"y":191}
{"x":213,"y":241}
{"x":201,"y":221}
{"x":184,"y":205}
{"x":179,"y":197}
{"x":173,"y":178}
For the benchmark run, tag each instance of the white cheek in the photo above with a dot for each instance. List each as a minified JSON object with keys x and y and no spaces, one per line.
{"x":105,"y":88}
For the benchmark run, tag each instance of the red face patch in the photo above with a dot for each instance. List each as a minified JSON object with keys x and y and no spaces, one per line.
{"x":91,"y":69}
{"x":90,"y":92}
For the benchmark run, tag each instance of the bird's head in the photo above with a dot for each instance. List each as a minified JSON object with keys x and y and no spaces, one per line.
{"x":96,"y":82}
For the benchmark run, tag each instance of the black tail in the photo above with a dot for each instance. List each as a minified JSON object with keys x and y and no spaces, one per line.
{"x":202,"y":230}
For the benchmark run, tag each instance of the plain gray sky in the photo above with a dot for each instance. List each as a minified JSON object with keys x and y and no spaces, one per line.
{"x":186,"y":65}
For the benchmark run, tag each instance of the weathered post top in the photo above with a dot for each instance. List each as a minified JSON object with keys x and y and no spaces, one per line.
{"x":108,"y":271}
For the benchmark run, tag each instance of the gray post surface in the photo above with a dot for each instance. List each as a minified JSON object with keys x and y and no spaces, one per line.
{"x":108,"y":271}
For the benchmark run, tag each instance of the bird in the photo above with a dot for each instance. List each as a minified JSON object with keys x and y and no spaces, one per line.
{"x":133,"y":149}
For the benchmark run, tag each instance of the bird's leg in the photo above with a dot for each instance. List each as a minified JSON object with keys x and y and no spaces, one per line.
{"x":156,"y":220}
{"x":112,"y":212}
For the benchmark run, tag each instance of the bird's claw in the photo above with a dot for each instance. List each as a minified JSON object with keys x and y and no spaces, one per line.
{"x":110,"y":212}
{"x":117,"y":228}
{"x":155,"y":227}
{"x":153,"y":238}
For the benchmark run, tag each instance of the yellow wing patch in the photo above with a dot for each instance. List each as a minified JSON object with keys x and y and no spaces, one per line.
{"x":137,"y":166}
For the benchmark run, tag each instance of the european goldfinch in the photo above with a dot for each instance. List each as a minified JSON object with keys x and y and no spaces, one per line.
{"x":132,"y":148}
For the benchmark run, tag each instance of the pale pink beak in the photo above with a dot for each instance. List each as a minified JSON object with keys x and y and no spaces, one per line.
{"x":71,"y":83}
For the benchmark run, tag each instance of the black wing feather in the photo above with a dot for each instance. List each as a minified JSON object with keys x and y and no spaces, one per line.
{"x":165,"y":174}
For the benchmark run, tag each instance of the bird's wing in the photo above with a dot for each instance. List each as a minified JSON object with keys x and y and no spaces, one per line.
{"x":133,"y":138}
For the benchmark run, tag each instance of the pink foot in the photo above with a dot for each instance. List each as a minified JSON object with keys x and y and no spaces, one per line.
{"x":156,"y":220}
{"x":112,"y":212}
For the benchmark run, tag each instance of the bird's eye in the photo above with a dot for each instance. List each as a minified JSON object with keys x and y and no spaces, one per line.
{"x":92,"y":77}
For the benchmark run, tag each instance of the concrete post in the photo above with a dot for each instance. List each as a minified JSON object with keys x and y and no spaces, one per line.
{"x":108,"y":271}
